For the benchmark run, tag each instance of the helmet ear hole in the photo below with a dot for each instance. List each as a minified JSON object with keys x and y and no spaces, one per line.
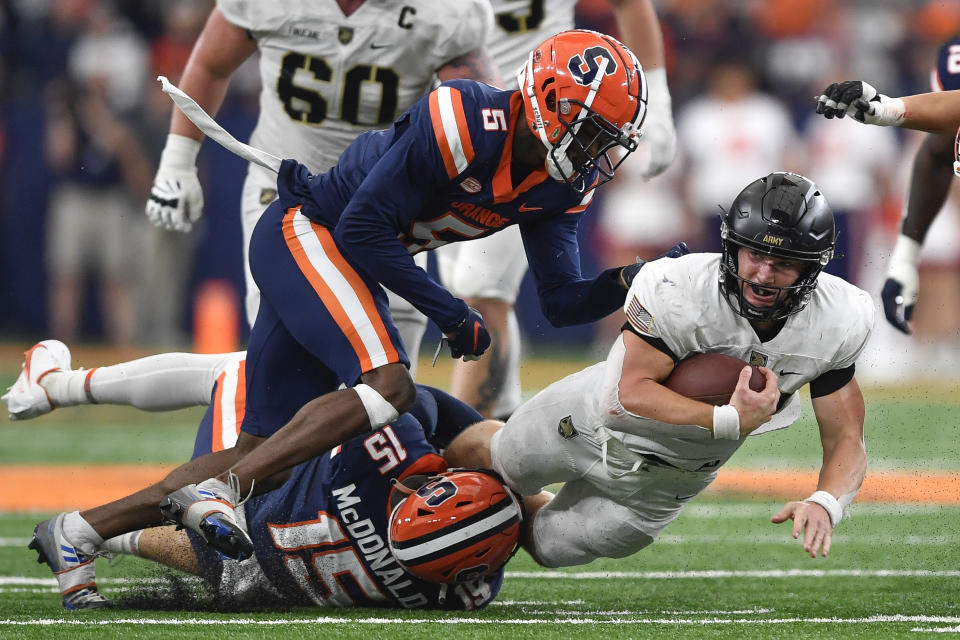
{"x":551,"y":101}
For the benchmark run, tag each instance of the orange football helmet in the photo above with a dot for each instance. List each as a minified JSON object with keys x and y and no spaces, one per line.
{"x":585,"y":96}
{"x":459,"y":526}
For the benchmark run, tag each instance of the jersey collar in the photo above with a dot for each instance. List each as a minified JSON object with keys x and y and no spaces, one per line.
{"x":503,"y":189}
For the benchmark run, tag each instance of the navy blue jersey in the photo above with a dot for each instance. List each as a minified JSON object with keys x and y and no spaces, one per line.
{"x":321,"y":538}
{"x":946,"y":75}
{"x":442,"y":174}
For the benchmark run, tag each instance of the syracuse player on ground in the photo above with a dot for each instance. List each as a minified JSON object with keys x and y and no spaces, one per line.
{"x":930,"y":179}
{"x":322,"y":537}
{"x":487,"y":272}
{"x":328,"y":72}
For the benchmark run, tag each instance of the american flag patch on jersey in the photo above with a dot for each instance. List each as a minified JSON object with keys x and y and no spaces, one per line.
{"x":640,"y":318}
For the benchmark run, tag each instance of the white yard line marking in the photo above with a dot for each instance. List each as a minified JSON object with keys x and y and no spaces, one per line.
{"x":597,"y":575}
{"x":936,"y":629}
{"x":483,"y":621}
{"x":785,"y":539}
{"x":43,"y":582}
{"x":768,"y":538}
{"x":759,"y":509}
{"x":14,"y":542}
{"x":775,"y":573}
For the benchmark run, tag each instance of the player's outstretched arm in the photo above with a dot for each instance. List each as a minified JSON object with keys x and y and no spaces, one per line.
{"x":176,"y":199}
{"x":840,"y":416}
{"x":936,"y":112}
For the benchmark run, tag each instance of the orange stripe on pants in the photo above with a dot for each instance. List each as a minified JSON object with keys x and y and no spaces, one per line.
{"x":216,"y":437}
{"x":360,"y":288}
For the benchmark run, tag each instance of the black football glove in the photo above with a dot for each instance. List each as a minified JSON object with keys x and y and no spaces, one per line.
{"x":862,"y":102}
{"x":895,"y":306}
{"x":902,"y":286}
{"x":468,"y":339}
{"x":629,"y":272}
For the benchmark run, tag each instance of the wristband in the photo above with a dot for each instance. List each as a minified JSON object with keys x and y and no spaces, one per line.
{"x":890,"y":111}
{"x":726,"y":423}
{"x":180,"y":152}
{"x":828,"y":502}
{"x":905,"y":252}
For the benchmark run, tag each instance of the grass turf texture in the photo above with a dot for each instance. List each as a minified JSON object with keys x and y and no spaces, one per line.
{"x":722,"y":570}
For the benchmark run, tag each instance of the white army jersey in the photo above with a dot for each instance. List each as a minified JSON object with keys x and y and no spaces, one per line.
{"x":326,"y":77}
{"x":520,"y":26}
{"x":679,"y":302}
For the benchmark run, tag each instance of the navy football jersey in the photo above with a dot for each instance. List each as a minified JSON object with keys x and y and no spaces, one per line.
{"x":945,"y":76}
{"x":321,"y":538}
{"x":442,"y":174}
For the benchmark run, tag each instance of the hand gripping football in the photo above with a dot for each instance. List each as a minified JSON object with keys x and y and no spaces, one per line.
{"x":710,"y":377}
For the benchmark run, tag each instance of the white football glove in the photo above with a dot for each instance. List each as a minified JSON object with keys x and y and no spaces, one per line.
{"x":658,"y":132}
{"x":176,"y":199}
{"x":862,"y":102}
{"x":902,"y":287}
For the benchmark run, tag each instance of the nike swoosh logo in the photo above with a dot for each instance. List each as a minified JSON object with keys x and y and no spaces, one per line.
{"x":684,"y":498}
{"x":524,"y":208}
{"x":379,"y":46}
{"x":789,"y":373}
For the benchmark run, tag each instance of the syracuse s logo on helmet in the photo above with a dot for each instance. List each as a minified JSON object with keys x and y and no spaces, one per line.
{"x":584,"y":67}
{"x":436,"y":493}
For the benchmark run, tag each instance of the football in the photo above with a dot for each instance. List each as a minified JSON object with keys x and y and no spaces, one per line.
{"x":710,"y":377}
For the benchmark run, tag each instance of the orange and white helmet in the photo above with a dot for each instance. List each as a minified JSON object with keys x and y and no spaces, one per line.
{"x":585,"y":96}
{"x":459,"y":526}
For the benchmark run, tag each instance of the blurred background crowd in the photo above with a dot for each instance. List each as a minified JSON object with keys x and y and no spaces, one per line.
{"x":82,"y":124}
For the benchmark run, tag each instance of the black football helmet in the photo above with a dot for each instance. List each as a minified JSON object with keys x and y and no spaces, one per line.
{"x":782,"y":215}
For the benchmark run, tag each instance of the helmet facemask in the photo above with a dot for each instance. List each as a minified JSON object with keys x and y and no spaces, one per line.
{"x":591,"y":142}
{"x":789,"y":299}
{"x":568,"y":84}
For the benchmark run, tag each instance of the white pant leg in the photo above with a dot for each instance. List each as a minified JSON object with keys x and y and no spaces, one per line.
{"x":162,"y":382}
{"x":409,"y":321}
{"x":615,"y":501}
{"x":259,"y":190}
{"x":604,"y":517}
{"x":580,"y":524}
{"x":552,"y":437}
{"x":491,"y":268}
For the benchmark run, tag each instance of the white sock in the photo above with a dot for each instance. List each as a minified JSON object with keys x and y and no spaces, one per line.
{"x":155,"y":383}
{"x":127,"y":543}
{"x":80,"y":534}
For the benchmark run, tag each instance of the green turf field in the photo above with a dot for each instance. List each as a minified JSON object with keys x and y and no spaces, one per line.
{"x":722,"y":570}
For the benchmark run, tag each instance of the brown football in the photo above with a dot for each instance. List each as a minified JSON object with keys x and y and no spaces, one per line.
{"x":710,"y":377}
